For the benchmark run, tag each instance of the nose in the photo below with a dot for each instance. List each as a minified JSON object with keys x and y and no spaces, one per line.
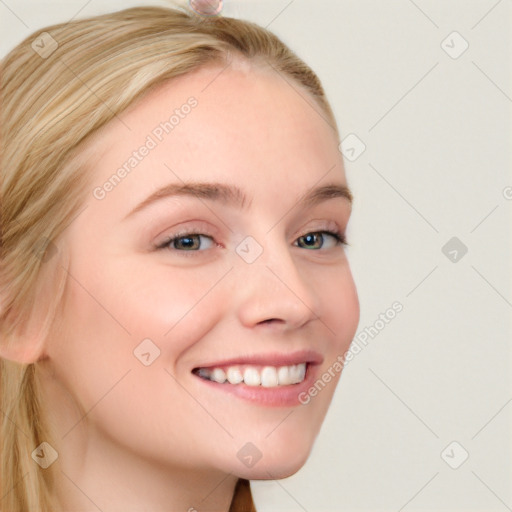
{"x":272,"y":291}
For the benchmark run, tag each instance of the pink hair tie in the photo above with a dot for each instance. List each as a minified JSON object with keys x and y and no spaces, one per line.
{"x":206,"y":7}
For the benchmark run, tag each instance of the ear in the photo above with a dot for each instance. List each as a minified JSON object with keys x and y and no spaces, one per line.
{"x":23,"y":335}
{"x":24,"y":341}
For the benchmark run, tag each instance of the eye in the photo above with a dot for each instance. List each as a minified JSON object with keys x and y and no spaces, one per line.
{"x":197,"y":242}
{"x":317,"y":240}
{"x":187,"y":242}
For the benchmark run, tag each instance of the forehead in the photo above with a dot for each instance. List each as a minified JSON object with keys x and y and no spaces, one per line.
{"x":248,"y":126}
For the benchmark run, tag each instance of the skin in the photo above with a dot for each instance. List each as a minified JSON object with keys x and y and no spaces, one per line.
{"x":134,"y":437}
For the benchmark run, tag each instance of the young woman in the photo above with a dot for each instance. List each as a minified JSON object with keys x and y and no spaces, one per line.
{"x":175,"y":296}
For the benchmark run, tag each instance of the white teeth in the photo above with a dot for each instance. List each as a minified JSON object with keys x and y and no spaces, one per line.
{"x":297,"y":372}
{"x":218,"y":375}
{"x":252,"y":377}
{"x":283,"y":375}
{"x":268,"y":376}
{"x":234,"y":375}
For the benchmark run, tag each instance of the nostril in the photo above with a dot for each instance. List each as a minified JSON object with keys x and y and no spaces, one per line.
{"x":271,"y":320}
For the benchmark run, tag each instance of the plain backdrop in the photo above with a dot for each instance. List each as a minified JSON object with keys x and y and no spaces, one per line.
{"x":422,"y":90}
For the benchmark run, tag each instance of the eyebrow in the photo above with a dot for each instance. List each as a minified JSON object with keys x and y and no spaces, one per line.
{"x":233,"y":196}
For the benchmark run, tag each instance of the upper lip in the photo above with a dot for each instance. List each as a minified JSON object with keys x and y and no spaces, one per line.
{"x":270,"y":359}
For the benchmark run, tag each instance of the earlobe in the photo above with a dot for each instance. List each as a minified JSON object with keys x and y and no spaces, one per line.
{"x":25,"y":344}
{"x":20,"y":354}
{"x":23,"y":335}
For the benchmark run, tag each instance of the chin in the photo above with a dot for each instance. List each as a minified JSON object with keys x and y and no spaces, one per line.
{"x":278,"y":472}
{"x":277,"y":464}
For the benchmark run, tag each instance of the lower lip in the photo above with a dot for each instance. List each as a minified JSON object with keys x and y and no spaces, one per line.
{"x":279,"y":396}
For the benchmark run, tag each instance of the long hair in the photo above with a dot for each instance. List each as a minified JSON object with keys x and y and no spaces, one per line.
{"x":58,"y":87}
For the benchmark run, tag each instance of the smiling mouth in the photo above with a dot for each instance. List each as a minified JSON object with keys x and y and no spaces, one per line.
{"x":255,"y":375}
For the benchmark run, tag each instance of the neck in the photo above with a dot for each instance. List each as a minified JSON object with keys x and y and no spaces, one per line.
{"x":113,"y":480}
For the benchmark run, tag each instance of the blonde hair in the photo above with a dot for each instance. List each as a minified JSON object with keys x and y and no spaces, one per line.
{"x":58,"y":87}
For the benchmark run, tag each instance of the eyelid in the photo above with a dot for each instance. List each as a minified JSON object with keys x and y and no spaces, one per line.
{"x":317,"y":225}
{"x":331,"y":230}
{"x":337,"y":234}
{"x":182,"y":234}
{"x":191,"y":227}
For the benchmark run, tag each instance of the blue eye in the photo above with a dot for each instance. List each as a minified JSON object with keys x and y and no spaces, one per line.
{"x":186,"y":242}
{"x":193,"y":242}
{"x":316,"y":240}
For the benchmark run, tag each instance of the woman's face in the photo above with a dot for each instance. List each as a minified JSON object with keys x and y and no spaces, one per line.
{"x":250,"y":284}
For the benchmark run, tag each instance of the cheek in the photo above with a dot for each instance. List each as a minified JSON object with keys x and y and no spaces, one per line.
{"x":175,"y":307}
{"x":112,"y":311}
{"x":340,"y":305}
{"x":108,"y":311}
{"x":155,"y":301}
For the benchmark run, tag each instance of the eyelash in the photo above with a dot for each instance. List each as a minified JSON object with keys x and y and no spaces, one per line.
{"x":165,"y":245}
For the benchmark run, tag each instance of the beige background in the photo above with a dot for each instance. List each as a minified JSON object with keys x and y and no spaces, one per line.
{"x":437,"y":164}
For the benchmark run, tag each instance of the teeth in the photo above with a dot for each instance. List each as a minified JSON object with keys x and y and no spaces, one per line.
{"x":204,"y":373}
{"x":268,"y":376}
{"x":234,"y":375}
{"x":283,"y":375}
{"x":297,"y":372}
{"x":252,"y":377}
{"x":218,"y":375}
